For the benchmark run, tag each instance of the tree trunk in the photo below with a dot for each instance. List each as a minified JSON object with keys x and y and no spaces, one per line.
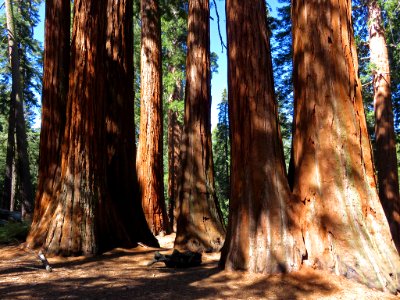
{"x":8,"y":194}
{"x":54,"y":100}
{"x":262,"y":236}
{"x":199,"y":224}
{"x":342,"y":221}
{"x":386,"y":160}
{"x":17,"y":96}
{"x":150,"y":154}
{"x":97,"y":206}
{"x":174,"y":158}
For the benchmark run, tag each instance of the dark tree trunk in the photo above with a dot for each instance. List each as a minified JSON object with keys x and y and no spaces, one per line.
{"x":97,"y":206}
{"x":199,"y":224}
{"x":174,"y":159}
{"x":26,"y":189}
{"x":385,"y":158}
{"x":150,"y":150}
{"x":262,"y":236}
{"x":54,"y":100}
{"x":342,"y":221}
{"x":8,"y":194}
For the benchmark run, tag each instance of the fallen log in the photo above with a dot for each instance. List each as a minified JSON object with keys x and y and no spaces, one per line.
{"x":178,"y":259}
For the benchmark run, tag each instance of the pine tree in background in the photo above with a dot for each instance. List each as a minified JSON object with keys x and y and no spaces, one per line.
{"x":26,"y":17}
{"x":17,"y":108}
{"x":222,"y":156}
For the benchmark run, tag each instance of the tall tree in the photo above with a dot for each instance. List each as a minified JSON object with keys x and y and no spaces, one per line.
{"x":175,"y":130}
{"x":174,"y":35}
{"x":221,"y":154}
{"x":385,"y":155}
{"x":199,"y":223}
{"x":54,"y":100}
{"x":342,"y":221}
{"x":97,"y":206}
{"x":262,"y":234}
{"x":8,"y":196}
{"x":23,"y":168}
{"x":149,"y":163}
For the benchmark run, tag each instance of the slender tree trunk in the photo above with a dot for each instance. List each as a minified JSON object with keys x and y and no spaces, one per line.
{"x":8,"y":194}
{"x":21,"y":138}
{"x":386,"y":160}
{"x":199,"y":224}
{"x":54,"y":100}
{"x":262,"y":236}
{"x":150,"y":155}
{"x":13,"y":185}
{"x":174,"y":160}
{"x":97,"y":206}
{"x":342,"y":221}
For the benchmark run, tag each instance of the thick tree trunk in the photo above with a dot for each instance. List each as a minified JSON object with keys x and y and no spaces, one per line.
{"x":149,"y":163}
{"x":23,"y":168}
{"x":54,"y":100}
{"x":199,"y":224}
{"x":386,"y":160}
{"x":174,"y":158}
{"x":97,"y":205}
{"x":342,"y":221}
{"x":8,"y":194}
{"x":127,"y":225}
{"x":262,"y":236}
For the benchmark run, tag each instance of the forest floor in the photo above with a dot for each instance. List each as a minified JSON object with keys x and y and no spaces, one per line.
{"x":124,"y":274}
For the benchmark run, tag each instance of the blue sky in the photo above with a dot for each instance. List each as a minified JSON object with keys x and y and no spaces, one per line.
{"x":219,"y":80}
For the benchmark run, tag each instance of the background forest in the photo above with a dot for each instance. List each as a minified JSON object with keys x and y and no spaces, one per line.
{"x":174,"y":30}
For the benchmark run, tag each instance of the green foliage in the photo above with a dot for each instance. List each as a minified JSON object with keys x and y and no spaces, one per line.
{"x":221,"y":156}
{"x":281,"y":48}
{"x":13,"y":232}
{"x":26,"y":14}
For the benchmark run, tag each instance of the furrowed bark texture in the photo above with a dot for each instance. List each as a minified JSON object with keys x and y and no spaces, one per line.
{"x":174,"y":159}
{"x":97,"y":205}
{"x":26,"y":189}
{"x":262,"y":236}
{"x":386,"y":160}
{"x":199,"y":224}
{"x":149,"y":163}
{"x":342,"y":221}
{"x":54,"y":100}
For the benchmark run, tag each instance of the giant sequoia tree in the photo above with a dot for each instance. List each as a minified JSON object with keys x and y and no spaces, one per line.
{"x":385,"y":155}
{"x":96,"y":206}
{"x":342,"y":220}
{"x":199,"y":223}
{"x":54,"y":99}
{"x":262,"y":236}
{"x":150,"y":158}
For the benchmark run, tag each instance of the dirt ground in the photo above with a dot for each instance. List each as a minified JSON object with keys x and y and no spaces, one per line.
{"x":123,"y":274}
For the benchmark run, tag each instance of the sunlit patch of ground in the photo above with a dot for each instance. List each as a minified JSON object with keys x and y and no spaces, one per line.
{"x":123,"y":274}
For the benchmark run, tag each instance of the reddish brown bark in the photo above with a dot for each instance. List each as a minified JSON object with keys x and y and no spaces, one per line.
{"x":261,"y":234}
{"x":199,"y":224}
{"x":97,"y":205}
{"x":174,"y":160}
{"x":149,"y":163}
{"x":342,"y":221}
{"x":385,"y":158}
{"x":54,"y":99}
